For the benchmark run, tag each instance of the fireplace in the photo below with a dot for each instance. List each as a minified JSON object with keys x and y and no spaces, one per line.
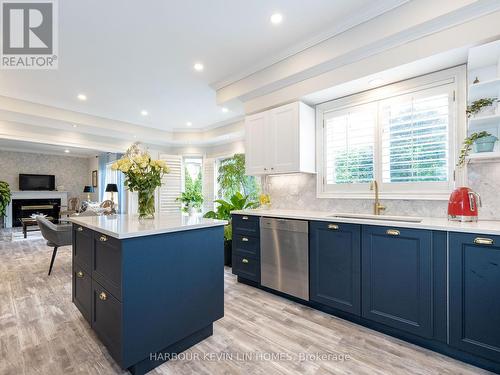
{"x":23,"y":208}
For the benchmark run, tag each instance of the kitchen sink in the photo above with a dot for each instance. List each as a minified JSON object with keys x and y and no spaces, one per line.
{"x":407,"y":219}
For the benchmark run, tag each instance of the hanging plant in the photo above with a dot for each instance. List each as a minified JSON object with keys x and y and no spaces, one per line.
{"x":477,"y":105}
{"x":467,"y":146}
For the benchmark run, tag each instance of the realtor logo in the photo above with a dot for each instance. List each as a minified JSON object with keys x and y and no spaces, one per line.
{"x":29,"y":34}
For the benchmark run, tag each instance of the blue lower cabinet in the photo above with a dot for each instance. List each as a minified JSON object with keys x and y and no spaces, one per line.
{"x":397,"y":278}
{"x":335,"y":264}
{"x":475,"y":294}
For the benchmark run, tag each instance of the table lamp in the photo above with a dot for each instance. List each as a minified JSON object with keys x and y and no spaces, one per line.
{"x":112,"y":188}
{"x":89,"y":190}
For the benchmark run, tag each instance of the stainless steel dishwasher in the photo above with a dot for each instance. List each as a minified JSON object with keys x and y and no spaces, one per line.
{"x":284,"y":256}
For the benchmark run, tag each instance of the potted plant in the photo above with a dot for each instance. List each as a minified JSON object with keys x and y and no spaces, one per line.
{"x":5,"y":196}
{"x":473,"y":139}
{"x":223,"y":212}
{"x":191,"y":201}
{"x":143,"y":175}
{"x":484,"y":106}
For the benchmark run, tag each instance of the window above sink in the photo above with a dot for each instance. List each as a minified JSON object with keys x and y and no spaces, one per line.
{"x":403,"y":135}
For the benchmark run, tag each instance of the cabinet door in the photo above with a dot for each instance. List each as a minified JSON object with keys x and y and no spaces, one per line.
{"x":107,"y":320}
{"x":474,"y":294}
{"x":107,"y":263}
{"x":257,"y":141}
{"x":335,"y":251}
{"x":83,"y":243}
{"x":82,"y":290}
{"x":397,"y":278}
{"x":284,"y":150}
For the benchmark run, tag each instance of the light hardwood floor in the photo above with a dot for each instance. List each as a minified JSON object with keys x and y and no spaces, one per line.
{"x":42,"y":332}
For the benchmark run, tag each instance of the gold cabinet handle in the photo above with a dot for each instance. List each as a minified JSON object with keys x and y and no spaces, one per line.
{"x":483,"y":241}
{"x":80,"y":274}
{"x":244,"y":239}
{"x":103,"y":238}
{"x":103,"y":296}
{"x":244,"y":260}
{"x":244,"y":218}
{"x":79,"y":229}
{"x":333,"y":226}
{"x":393,"y":232}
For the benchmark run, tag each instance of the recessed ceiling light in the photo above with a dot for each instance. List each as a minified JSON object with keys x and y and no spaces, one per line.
{"x":376,"y":82}
{"x":144,"y":112}
{"x":66,"y":151}
{"x":82,"y":97}
{"x":225,"y":110}
{"x":189,"y":123}
{"x":276,"y":18}
{"x":75,"y":126}
{"x":198,"y":67}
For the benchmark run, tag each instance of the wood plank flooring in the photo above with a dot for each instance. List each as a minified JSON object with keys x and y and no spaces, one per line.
{"x":42,"y":332}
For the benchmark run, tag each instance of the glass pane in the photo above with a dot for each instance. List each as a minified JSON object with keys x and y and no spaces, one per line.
{"x":349,"y":144}
{"x":415,"y":139}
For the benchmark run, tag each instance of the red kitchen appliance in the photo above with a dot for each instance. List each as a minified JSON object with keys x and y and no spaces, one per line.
{"x":463,"y":205}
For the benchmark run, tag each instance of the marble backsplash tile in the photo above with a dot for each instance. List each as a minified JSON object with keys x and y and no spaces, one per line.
{"x":299,"y":192}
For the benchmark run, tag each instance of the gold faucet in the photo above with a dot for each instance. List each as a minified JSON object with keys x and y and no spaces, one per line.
{"x":377,"y":207}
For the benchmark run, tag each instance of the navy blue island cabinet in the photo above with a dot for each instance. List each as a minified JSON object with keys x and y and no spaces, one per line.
{"x":475,"y":294}
{"x":397,"y":278}
{"x":151,"y":296}
{"x":335,"y":265}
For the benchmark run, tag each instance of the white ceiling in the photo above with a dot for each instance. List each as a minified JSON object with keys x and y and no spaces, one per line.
{"x":128,"y":56}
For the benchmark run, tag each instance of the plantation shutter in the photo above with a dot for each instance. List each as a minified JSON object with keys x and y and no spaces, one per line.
{"x":208,"y":184}
{"x":415,"y":137}
{"x":349,"y":145}
{"x":171,"y":184}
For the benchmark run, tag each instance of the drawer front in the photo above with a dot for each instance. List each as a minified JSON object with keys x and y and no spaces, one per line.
{"x":82,"y":290}
{"x":246,"y":224}
{"x":107,"y":263}
{"x":245,"y":245}
{"x":107,"y":320}
{"x":82,"y":246}
{"x":246,"y":267}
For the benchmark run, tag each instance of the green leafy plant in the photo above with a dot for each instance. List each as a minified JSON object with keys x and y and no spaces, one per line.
{"x":467,"y":146}
{"x":224,"y":208}
{"x":232,"y":179}
{"x":192,"y":195}
{"x":5,"y":196}
{"x":477,"y":105}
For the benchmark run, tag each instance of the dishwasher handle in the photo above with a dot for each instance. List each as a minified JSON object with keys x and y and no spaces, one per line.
{"x":267,"y":223}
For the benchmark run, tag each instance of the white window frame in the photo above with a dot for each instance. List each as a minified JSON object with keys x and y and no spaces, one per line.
{"x":456,"y":79}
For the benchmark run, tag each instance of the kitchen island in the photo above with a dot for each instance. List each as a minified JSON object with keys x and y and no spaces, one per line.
{"x":151,"y":288}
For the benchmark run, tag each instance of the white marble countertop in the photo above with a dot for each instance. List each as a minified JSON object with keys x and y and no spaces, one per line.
{"x":129,"y":226}
{"x":480,"y":227}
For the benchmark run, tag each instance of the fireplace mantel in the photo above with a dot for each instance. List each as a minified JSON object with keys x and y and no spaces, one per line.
{"x":62,"y":195}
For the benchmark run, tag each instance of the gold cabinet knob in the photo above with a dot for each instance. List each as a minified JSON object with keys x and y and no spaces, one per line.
{"x":79,"y":229}
{"x":244,"y":260}
{"x":103,"y":238}
{"x":333,"y":226}
{"x":80,"y":274}
{"x":393,"y":232}
{"x":244,"y":239}
{"x":103,"y":296}
{"x":244,"y":218}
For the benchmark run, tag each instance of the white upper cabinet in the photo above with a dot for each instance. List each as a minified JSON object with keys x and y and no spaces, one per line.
{"x":280,"y":140}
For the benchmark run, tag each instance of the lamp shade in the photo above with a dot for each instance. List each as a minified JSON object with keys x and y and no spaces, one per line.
{"x":111,"y":188}
{"x":88,"y":189}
